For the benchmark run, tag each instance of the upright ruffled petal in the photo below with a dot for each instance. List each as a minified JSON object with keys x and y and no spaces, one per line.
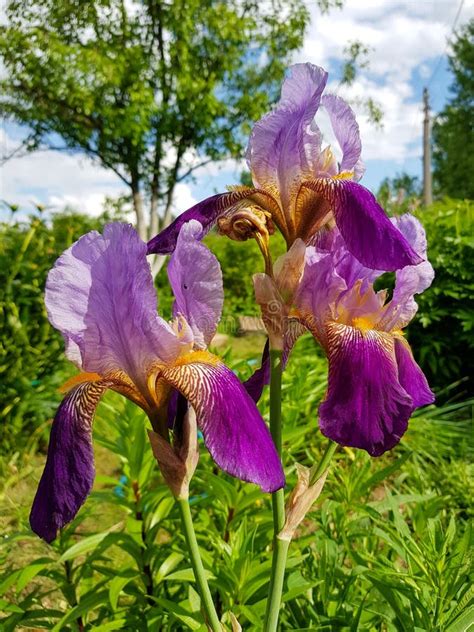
{"x":196,"y":279}
{"x":365,"y":405}
{"x":320,"y":288}
{"x":346,"y":131}
{"x":410,"y":280}
{"x":283,"y":147}
{"x":410,"y":376}
{"x":69,"y":472}
{"x":234,"y":431}
{"x":368,"y":233}
{"x":101,"y":297}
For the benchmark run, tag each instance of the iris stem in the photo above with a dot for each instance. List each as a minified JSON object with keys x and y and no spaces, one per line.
{"x":198,"y":568}
{"x":280,"y":547}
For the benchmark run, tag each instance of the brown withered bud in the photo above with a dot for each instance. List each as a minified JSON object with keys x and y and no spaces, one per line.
{"x":178,"y":462}
{"x":300,"y":501}
{"x":246,"y":223}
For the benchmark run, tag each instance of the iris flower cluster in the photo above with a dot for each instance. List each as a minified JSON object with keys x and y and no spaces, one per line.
{"x":100,"y":295}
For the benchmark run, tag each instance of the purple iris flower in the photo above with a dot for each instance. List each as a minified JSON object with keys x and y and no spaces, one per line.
{"x":299,"y":185}
{"x":100,"y":295}
{"x":374,"y":382}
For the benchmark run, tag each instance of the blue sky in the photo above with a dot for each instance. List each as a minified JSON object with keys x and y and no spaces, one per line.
{"x":407,"y":41}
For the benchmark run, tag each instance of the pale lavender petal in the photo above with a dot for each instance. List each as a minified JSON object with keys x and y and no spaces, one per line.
{"x":410,"y":376}
{"x":100,"y":295}
{"x":206,"y":213}
{"x":346,"y":131}
{"x":234,"y":432}
{"x":319,"y":291}
{"x":365,"y":407}
{"x":369,"y":234}
{"x":196,"y":280}
{"x":69,"y":472}
{"x":410,"y":280}
{"x":283,"y":146}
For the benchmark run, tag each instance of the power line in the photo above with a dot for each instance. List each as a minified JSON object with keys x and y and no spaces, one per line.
{"x":440,"y":59}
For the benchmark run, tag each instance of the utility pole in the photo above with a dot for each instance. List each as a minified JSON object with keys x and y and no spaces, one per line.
{"x":427,"y":184}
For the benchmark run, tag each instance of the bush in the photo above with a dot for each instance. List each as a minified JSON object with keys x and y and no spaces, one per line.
{"x":442,"y":332}
{"x":32,"y":361}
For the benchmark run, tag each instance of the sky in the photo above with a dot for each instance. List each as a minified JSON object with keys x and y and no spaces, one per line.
{"x":408,"y":45}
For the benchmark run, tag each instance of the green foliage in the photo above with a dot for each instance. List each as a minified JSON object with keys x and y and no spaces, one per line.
{"x":31,"y":352}
{"x":453,"y":131}
{"x":387,"y":547}
{"x":442,"y":332}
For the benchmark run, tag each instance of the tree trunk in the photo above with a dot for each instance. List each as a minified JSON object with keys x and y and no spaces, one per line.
{"x":138,"y":208}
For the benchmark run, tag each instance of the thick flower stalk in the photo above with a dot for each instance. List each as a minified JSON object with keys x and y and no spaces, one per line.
{"x":100,"y":296}
{"x":299,"y":186}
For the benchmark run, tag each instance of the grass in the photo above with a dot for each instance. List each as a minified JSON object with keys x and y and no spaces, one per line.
{"x":386,"y":548}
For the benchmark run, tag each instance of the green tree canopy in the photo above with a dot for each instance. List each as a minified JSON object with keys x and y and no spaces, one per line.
{"x":453,"y":131}
{"x":150,"y":89}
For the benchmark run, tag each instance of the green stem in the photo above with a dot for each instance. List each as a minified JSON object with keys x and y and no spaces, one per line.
{"x":324,"y":463}
{"x":280,"y":547}
{"x":198,"y":568}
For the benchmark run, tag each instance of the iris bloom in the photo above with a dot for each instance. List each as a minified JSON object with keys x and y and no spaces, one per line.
{"x":299,"y":185}
{"x":374,"y":383}
{"x":100,"y":296}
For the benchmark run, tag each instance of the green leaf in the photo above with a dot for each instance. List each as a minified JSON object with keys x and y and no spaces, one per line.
{"x":84,"y":546}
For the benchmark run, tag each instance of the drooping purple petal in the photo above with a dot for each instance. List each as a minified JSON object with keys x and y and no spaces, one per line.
{"x":234,"y":431}
{"x":346,"y":131}
{"x":365,"y":405}
{"x":410,"y":376}
{"x":196,"y":280}
{"x":101,"y":297}
{"x":69,"y":472}
{"x":369,"y":234}
{"x":206,"y":213}
{"x":260,"y":377}
{"x":283,"y":147}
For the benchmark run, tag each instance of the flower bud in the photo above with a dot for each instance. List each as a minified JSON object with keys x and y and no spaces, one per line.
{"x":178,"y":462}
{"x":300,"y":501}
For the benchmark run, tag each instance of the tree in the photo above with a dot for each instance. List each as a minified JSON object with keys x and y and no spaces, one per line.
{"x":153,"y":89}
{"x":401,"y":193}
{"x":453,"y":131}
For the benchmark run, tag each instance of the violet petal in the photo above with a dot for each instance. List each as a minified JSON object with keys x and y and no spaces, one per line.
{"x":234,"y":432}
{"x":69,"y":471}
{"x":366,"y":407}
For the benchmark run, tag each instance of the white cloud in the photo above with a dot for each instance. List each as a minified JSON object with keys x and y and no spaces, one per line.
{"x":403,"y":36}
{"x":58,"y":180}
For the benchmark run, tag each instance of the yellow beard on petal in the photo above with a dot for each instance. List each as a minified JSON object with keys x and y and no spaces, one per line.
{"x":80,"y":378}
{"x":198,"y":356}
{"x":363,"y":324}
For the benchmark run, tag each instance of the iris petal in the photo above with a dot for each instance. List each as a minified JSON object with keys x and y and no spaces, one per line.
{"x":283,"y":148}
{"x":206,"y":213}
{"x":234,"y":431}
{"x":196,"y":279}
{"x":346,"y":131}
{"x":69,"y":472}
{"x":368,"y":233}
{"x":100,"y":295}
{"x":365,"y":407}
{"x":410,"y":376}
